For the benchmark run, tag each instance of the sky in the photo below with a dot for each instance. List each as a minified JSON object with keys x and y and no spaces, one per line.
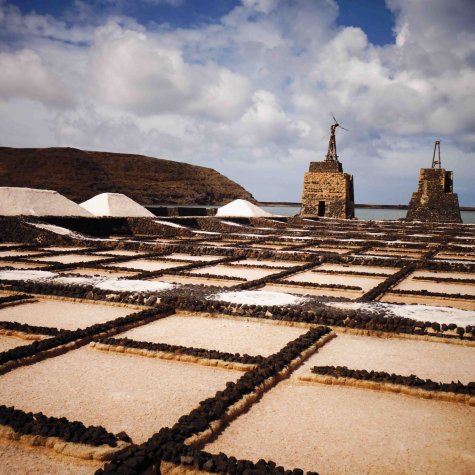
{"x":247,"y":87}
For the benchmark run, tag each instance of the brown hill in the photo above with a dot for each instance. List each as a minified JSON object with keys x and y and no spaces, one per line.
{"x":80,"y":175}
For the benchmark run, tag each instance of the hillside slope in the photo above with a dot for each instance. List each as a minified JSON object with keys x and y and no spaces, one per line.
{"x":80,"y":175}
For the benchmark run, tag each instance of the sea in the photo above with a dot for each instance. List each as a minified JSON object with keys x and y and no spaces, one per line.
{"x":374,"y":214}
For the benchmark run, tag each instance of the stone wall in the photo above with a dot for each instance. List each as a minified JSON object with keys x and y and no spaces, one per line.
{"x":434,"y":199}
{"x":327,"y":191}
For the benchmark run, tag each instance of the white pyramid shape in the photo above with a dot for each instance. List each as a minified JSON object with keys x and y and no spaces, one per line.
{"x":115,"y":205}
{"x":242,"y":209}
{"x":34,"y":202}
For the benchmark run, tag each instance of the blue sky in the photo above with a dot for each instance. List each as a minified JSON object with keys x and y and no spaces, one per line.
{"x":247,"y":86}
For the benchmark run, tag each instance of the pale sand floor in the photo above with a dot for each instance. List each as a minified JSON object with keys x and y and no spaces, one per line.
{"x":121,"y":392}
{"x":70,"y":258}
{"x":148,"y":265}
{"x":32,"y":461}
{"x":269,"y":263}
{"x":437,"y":361}
{"x":18,"y":253}
{"x":435,"y":301}
{"x":270,"y":246}
{"x":458,"y":257}
{"x":246,"y":336}
{"x":366,"y":283}
{"x":230,"y":271}
{"x":337,"y":250}
{"x":178,"y":279}
{"x":62,"y":314}
{"x":443,"y":287}
{"x":350,"y":294}
{"x":101,"y":272}
{"x":190,"y":257}
{"x":119,"y":252}
{"x":9,"y":342}
{"x":64,"y":248}
{"x":337,"y":430}
{"x":22,"y":265}
{"x":452,"y":275}
{"x":358,"y":268}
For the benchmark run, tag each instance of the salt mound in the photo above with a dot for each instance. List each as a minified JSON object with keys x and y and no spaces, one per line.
{"x":32,"y":202}
{"x":257,"y":297}
{"x":116,"y":205}
{"x":242,"y":209}
{"x":415,"y":312}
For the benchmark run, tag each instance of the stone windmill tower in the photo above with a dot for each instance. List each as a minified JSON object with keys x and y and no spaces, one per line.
{"x":434,"y":199}
{"x":327,"y":190}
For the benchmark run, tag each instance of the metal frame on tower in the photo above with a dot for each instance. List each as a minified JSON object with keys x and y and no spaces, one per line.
{"x":331,"y":153}
{"x":436,"y":163}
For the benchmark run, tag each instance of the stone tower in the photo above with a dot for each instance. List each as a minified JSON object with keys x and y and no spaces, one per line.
{"x":434,"y":199}
{"x":327,"y":190}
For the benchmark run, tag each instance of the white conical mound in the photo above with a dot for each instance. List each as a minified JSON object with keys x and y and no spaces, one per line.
{"x":116,"y":205}
{"x":33,"y":202}
{"x":242,"y":209}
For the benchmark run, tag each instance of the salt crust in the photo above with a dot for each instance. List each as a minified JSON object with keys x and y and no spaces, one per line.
{"x":242,"y":209}
{"x":136,"y":395}
{"x":426,"y":359}
{"x":390,"y":388}
{"x":119,"y":285}
{"x":34,"y":461}
{"x":115,"y":204}
{"x":168,"y":223}
{"x":415,"y":312}
{"x":62,"y":314}
{"x":34,"y":202}
{"x":58,"y":230}
{"x":245,"y":336}
{"x":329,"y":424}
{"x":257,"y":297}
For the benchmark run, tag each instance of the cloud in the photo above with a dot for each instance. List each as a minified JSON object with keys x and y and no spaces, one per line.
{"x":251,"y":93}
{"x":24,"y":75}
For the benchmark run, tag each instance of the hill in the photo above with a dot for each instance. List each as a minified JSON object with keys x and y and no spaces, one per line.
{"x":80,"y":175}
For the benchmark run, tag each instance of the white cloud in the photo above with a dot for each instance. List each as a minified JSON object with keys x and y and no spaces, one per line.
{"x":24,"y":75}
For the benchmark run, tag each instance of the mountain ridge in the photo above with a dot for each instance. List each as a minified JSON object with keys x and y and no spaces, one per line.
{"x":81,"y":174}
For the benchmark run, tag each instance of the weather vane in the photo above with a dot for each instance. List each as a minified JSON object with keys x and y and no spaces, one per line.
{"x":331,"y":154}
{"x":436,"y":162}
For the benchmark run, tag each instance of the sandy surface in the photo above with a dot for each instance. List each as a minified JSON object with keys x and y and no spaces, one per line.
{"x":22,"y":265}
{"x":190,"y":257}
{"x":443,"y":287}
{"x":9,"y":342}
{"x":435,"y":301}
{"x":232,"y":271}
{"x":366,"y":283}
{"x":337,"y":250}
{"x":62,"y":314}
{"x":101,"y":272}
{"x":266,"y":262}
{"x":178,"y":279}
{"x":437,"y":361}
{"x":70,"y":258}
{"x":357,"y":268}
{"x":119,"y":252}
{"x":452,"y":275}
{"x":149,"y":265}
{"x":455,"y":256}
{"x":351,"y":294}
{"x":336,"y":430}
{"x":13,"y":253}
{"x":64,"y":248}
{"x":33,"y":461}
{"x":246,"y":336}
{"x":120,"y":392}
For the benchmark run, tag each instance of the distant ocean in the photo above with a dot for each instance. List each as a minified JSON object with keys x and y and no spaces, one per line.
{"x":374,"y":214}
